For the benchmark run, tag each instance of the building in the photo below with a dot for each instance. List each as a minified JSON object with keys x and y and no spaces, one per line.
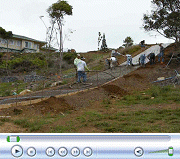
{"x":21,"y":44}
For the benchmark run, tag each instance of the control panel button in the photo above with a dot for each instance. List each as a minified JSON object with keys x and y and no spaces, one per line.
{"x":17,"y":151}
{"x":87,"y":151}
{"x":138,"y":151}
{"x":31,"y":151}
{"x":13,"y":139}
{"x":50,"y":151}
{"x":63,"y":151}
{"x":75,"y":151}
{"x":170,"y":151}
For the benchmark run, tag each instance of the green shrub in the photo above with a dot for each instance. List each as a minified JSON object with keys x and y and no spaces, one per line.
{"x":131,"y":49}
{"x":69,"y":57}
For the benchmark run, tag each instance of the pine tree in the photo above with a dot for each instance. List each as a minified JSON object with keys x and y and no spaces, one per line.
{"x":104,"y":45}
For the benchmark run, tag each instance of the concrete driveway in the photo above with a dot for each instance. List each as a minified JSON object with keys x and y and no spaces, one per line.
{"x":155,"y":49}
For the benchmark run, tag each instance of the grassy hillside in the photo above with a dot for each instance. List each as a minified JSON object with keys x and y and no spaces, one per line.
{"x":47,"y":64}
{"x":130,"y":104}
{"x":17,"y":63}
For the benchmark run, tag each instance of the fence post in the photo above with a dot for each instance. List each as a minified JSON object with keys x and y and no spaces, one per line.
{"x":97,"y":79}
{"x":16,"y":92}
{"x":42,"y":89}
{"x":31,"y":85}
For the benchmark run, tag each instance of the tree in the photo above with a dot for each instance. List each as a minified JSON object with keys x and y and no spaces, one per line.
{"x":128,"y":41}
{"x":57,"y":11}
{"x":164,"y":19}
{"x":6,"y":35}
{"x":104,"y":45}
{"x":99,"y":39}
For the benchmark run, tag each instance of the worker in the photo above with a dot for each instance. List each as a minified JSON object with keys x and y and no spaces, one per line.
{"x":161,"y":54}
{"x":113,"y":62}
{"x":81,"y":66}
{"x":114,"y":53}
{"x":129,"y":60}
{"x":77,"y":59}
{"x":108,"y":62}
{"x":142,"y":59}
{"x":151,"y":58}
{"x":142,"y":44}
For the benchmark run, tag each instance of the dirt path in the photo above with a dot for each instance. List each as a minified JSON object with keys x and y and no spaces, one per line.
{"x":97,"y":79}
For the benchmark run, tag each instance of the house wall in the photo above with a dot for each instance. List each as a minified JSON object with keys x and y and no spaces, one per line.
{"x":13,"y":44}
{"x":30,"y":45}
{"x":19,"y":44}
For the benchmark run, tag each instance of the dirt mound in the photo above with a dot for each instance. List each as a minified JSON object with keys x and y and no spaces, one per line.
{"x":133,"y":76}
{"x":53,"y":105}
{"x":113,"y":89}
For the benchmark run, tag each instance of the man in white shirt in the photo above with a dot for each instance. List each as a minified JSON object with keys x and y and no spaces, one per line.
{"x":114,"y":62}
{"x":129,"y":59}
{"x":81,"y":65}
{"x":77,"y":59}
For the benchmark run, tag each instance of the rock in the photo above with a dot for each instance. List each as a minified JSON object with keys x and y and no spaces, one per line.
{"x":113,"y":96}
{"x":56,"y":83}
{"x":160,"y":78}
{"x":26,"y":91}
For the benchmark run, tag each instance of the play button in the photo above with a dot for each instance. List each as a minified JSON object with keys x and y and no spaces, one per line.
{"x":17,"y":151}
{"x":138,"y":151}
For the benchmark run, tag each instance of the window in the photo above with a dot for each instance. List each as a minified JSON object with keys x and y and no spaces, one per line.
{"x":35,"y":46}
{"x":28,"y":45}
{"x":18,"y":43}
{"x":11,"y":42}
{"x":3,"y":41}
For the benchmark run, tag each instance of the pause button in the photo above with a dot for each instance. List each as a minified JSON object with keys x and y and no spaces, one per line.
{"x":75,"y":151}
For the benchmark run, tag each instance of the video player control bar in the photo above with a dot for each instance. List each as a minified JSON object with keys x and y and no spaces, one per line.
{"x":94,"y":146}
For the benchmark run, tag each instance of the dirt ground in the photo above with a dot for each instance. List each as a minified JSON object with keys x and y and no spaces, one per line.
{"x":138,"y":80}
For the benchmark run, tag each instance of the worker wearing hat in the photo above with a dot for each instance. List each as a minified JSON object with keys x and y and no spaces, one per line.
{"x":81,"y":70}
{"x":77,"y":59}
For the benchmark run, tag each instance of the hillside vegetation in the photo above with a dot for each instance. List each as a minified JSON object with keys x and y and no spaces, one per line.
{"x":130,"y":104}
{"x":49,"y":62}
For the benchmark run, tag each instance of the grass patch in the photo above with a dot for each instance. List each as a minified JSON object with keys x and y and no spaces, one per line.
{"x":59,"y":129}
{"x":34,"y":125}
{"x":68,"y":128}
{"x":124,"y":117}
{"x":93,"y":116}
{"x":155,"y":95}
{"x":81,"y":119}
{"x":131,"y":49}
{"x":7,"y":89}
{"x":4,"y":119}
{"x":97,"y":67}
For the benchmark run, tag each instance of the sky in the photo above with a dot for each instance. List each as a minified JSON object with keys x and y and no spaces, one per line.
{"x":117,"y":19}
